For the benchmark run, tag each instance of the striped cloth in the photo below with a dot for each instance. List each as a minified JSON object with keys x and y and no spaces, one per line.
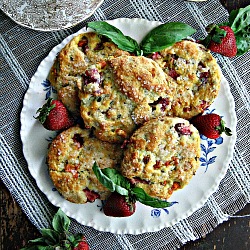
{"x":22,"y":50}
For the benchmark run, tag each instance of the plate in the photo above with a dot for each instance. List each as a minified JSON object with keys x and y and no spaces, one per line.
{"x":215,"y":158}
{"x":48,"y":15}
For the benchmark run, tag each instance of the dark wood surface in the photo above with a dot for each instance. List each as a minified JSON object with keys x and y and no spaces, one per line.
{"x":16,"y":229}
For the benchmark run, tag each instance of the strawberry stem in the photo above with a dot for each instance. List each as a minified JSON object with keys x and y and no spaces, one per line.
{"x":45,"y":110}
{"x":215,"y":33}
{"x":222,"y":128}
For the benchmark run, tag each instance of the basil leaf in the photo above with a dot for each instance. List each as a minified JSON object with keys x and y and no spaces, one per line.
{"x":38,"y":240}
{"x":60,"y":221}
{"x":38,"y":248}
{"x":243,"y":42}
{"x":145,"y":199}
{"x":112,"y":179}
{"x":51,"y":237}
{"x":239,"y":21}
{"x":165,"y":35}
{"x":123,"y":42}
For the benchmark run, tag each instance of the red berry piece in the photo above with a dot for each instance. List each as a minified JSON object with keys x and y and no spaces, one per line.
{"x":210,"y":125}
{"x":54,"y":116}
{"x":182,"y":129}
{"x":82,"y":245}
{"x":119,"y":206}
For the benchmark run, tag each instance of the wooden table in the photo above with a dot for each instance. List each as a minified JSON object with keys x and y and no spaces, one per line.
{"x":16,"y":229}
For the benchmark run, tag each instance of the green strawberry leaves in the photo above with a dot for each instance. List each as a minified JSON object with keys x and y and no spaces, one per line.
{"x":57,"y":237}
{"x":214,"y":34}
{"x":157,"y":39}
{"x":115,"y":181}
{"x":45,"y":110}
{"x":222,"y":128}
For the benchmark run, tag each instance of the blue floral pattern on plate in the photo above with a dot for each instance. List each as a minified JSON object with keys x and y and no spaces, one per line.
{"x":207,"y":147}
{"x":48,"y":88}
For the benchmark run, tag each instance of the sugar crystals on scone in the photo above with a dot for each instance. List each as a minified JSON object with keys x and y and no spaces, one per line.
{"x":70,"y":159}
{"x":162,"y":156}
{"x":196,"y":74}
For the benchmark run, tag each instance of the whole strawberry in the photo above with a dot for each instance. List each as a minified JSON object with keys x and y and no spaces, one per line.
{"x":210,"y":125}
{"x":54,"y":116}
{"x":82,"y":245}
{"x":221,"y":39}
{"x":119,"y":206}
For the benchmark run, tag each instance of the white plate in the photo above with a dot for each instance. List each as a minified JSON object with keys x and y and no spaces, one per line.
{"x":48,"y":15}
{"x":216,"y":155}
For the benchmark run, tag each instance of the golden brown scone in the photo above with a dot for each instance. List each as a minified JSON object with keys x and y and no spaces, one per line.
{"x":162,"y":156}
{"x":70,"y":158}
{"x":128,"y":91}
{"x":73,"y":60}
{"x":196,"y":74}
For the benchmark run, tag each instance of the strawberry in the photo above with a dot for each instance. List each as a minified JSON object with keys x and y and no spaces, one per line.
{"x":118,"y":205}
{"x":54,"y":116}
{"x":210,"y":125}
{"x":221,"y":39}
{"x":82,"y":245}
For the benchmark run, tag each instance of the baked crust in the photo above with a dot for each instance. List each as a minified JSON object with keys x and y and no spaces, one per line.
{"x":70,"y":158}
{"x":129,"y":91}
{"x":162,"y":156}
{"x":196,"y":74}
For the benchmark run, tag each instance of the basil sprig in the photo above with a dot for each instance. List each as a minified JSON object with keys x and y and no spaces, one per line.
{"x":115,"y":181}
{"x":57,"y":237}
{"x":239,"y":21}
{"x":157,"y":39}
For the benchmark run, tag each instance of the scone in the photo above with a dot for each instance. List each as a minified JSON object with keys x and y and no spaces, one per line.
{"x":70,"y":158}
{"x":82,"y":51}
{"x":196,"y":74}
{"x":128,"y":91}
{"x":162,"y":156}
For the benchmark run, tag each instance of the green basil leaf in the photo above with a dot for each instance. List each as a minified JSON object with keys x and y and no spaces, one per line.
{"x":51,"y":237}
{"x":38,"y":247}
{"x":60,"y":221}
{"x":116,"y":177}
{"x":38,"y":240}
{"x":112,"y":179}
{"x":243,"y":42}
{"x":240,"y":19}
{"x":123,"y":42}
{"x":165,"y":35}
{"x":145,"y":199}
